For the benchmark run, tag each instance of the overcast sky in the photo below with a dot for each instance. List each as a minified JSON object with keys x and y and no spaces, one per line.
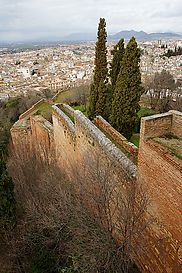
{"x":43,"y":19}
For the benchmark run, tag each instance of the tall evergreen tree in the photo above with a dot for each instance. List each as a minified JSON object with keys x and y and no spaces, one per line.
{"x":118,"y":53}
{"x":100,"y":71}
{"x":101,"y":105}
{"x":128,"y":91}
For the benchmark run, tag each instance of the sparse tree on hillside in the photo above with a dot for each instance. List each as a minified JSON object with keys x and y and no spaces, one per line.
{"x":100,"y":71}
{"x":161,"y":89}
{"x":128,"y":91}
{"x":118,"y":53}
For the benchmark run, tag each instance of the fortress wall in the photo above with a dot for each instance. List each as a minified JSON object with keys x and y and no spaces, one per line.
{"x":21,"y":134}
{"x":89,"y":139}
{"x":162,"y":175}
{"x":32,"y":109}
{"x":176,"y":123}
{"x":156,"y":125}
{"x":64,"y":139}
{"x":42,"y":138}
{"x":83,"y":144}
{"x":88,"y":156}
{"x":67,"y":109}
{"x":91,"y":161}
{"x":129,"y":147}
{"x":103,"y":169}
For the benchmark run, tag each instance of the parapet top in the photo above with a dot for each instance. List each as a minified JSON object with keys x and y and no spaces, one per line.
{"x":163,"y":115}
{"x":108,"y":147}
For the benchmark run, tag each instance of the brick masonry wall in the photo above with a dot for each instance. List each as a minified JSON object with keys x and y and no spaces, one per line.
{"x":161,"y":173}
{"x":94,"y":139}
{"x":21,"y":135}
{"x":42,"y":138}
{"x":81,"y":143}
{"x":66,"y":108}
{"x":64,"y":139}
{"x":32,"y":110}
{"x":129,"y":147}
{"x":177,"y":123}
{"x":83,"y":151}
{"x":156,"y":125}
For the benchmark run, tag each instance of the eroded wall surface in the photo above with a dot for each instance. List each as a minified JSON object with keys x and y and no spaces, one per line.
{"x":161,"y":172}
{"x":88,"y":156}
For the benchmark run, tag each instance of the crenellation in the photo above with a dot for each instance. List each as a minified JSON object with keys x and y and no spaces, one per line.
{"x":156,"y":125}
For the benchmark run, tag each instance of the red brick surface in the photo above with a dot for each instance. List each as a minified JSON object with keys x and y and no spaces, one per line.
{"x":81,"y":150}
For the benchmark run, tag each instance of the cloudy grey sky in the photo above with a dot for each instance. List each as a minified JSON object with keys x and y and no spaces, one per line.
{"x":43,"y":19}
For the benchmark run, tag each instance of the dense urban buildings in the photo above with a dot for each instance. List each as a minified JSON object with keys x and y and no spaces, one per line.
{"x":58,"y":67}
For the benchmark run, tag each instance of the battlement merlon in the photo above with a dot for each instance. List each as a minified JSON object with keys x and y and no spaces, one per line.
{"x":161,"y":124}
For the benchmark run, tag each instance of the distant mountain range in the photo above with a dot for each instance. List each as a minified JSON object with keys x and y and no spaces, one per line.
{"x":84,"y":37}
{"x":141,"y":35}
{"x":126,"y":34}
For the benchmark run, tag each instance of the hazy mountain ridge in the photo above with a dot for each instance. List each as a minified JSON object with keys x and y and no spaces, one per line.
{"x":141,"y":35}
{"x":87,"y":37}
{"x":126,"y":34}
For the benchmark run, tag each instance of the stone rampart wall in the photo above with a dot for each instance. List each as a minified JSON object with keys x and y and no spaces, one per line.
{"x":32,"y":109}
{"x":80,"y":143}
{"x":66,"y":109}
{"x":156,"y":125}
{"x":129,"y":147}
{"x":42,"y":138}
{"x":161,"y":172}
{"x":177,"y":123}
{"x":86,"y":130}
{"x":162,"y":124}
{"x":86,"y":155}
{"x":21,"y":135}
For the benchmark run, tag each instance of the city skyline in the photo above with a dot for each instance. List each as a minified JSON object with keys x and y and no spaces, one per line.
{"x":53,"y":19}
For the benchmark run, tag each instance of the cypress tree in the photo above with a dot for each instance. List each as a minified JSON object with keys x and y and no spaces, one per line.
{"x":118,"y":53}
{"x":128,"y":91}
{"x":100,"y":71}
{"x":92,"y":102}
{"x":101,"y":108}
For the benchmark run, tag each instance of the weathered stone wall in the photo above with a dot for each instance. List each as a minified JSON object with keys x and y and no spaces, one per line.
{"x":161,"y":172}
{"x":156,"y":125}
{"x":21,"y":135}
{"x":33,"y":136}
{"x":32,"y":110}
{"x":176,"y":123}
{"x":82,"y":144}
{"x":128,"y":147}
{"x":162,"y":124}
{"x":85,"y":153}
{"x":64,"y":140}
{"x":90,"y":138}
{"x":42,"y":138}
{"x":67,"y":109}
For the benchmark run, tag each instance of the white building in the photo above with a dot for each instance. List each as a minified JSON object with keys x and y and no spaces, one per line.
{"x":25,"y":71}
